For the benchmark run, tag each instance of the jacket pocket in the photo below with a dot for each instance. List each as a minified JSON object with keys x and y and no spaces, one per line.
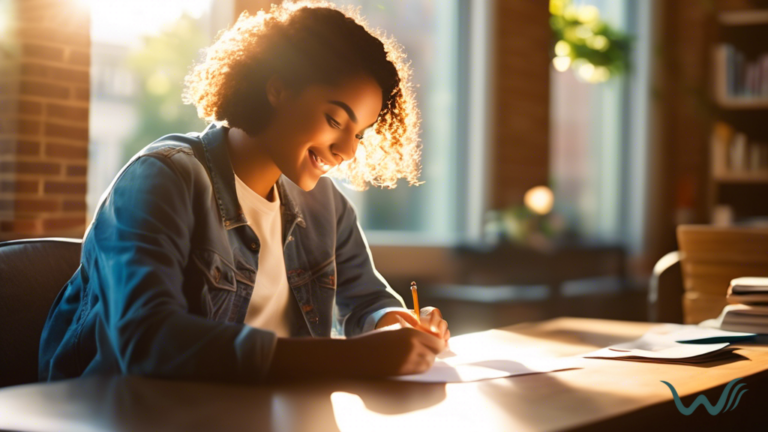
{"x":219,"y":284}
{"x":325,"y":274}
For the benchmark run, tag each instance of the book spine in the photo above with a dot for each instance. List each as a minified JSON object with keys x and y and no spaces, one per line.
{"x":729,"y":71}
{"x":764,"y":90}
{"x":738,"y":153}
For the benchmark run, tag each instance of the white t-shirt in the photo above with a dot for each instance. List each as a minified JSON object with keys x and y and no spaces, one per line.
{"x":268,"y":308}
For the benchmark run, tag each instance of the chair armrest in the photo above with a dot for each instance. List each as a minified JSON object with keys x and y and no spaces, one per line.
{"x":665,"y":296}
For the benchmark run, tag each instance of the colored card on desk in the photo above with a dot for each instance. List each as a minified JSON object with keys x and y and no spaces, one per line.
{"x":696,"y":334}
{"x":674,"y":343}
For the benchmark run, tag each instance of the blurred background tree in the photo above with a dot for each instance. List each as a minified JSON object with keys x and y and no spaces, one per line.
{"x":160,"y":66}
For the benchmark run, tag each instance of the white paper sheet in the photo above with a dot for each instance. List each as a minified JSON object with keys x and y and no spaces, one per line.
{"x":698,"y":334}
{"x":487,"y":355}
{"x":674,"y":342}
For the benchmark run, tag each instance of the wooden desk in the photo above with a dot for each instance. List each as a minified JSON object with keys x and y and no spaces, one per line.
{"x":603,"y":395}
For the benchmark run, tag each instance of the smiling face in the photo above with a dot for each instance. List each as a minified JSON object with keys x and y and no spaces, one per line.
{"x":315,"y":130}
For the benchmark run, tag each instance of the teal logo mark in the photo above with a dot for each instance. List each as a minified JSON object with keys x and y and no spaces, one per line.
{"x":702,"y":400}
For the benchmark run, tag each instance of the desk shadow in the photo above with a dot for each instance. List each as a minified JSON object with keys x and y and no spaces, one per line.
{"x":134,"y":403}
{"x":542,"y":400}
{"x":726,"y":358}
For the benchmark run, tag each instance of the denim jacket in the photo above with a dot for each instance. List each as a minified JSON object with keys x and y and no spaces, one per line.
{"x":169,"y":263}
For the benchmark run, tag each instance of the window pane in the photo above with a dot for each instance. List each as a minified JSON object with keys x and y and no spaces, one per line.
{"x":140,"y":52}
{"x":429,"y":33}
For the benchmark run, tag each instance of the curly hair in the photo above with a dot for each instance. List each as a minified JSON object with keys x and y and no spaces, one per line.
{"x":306,"y":43}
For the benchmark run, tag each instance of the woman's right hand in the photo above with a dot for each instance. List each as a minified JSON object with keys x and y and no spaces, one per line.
{"x":377,"y":354}
{"x":400,"y":351}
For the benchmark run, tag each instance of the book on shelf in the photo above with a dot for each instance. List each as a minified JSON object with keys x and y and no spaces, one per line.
{"x":733,"y":152}
{"x":737,"y":77}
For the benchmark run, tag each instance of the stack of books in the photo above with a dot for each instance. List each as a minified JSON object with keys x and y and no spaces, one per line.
{"x":748,"y":311}
{"x":742,"y":78}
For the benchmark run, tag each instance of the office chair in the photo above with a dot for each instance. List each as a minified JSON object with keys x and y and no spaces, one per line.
{"x":711,"y":256}
{"x":32,"y":272}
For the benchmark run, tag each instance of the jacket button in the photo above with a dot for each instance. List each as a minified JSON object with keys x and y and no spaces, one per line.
{"x":216,"y":274}
{"x":253,"y":246}
{"x":306,"y":308}
{"x":314,"y":320}
{"x":290,"y":238}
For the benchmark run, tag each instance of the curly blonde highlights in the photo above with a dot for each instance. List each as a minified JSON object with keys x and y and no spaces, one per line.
{"x":229,"y":85}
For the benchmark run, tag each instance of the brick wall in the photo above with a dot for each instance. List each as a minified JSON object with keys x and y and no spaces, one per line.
{"x":44,"y":99}
{"x":520,"y":149}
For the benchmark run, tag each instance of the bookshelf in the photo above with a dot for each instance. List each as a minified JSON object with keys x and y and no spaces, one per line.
{"x":734,"y":103}
{"x":743,"y":18}
{"x":737,"y":177}
{"x":738,"y":172}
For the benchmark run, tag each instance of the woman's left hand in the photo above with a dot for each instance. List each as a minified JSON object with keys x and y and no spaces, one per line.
{"x":431,"y":321}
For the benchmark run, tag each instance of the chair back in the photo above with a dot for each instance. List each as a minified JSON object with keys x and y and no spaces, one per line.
{"x":713,"y":255}
{"x":32,"y":272}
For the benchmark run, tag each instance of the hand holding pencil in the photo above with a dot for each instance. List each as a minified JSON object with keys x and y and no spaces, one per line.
{"x":429,"y":319}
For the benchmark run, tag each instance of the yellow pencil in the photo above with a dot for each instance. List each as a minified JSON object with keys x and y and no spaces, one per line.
{"x":415,"y":301}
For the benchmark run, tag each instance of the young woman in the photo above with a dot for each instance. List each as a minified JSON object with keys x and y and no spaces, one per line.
{"x":211,"y":254}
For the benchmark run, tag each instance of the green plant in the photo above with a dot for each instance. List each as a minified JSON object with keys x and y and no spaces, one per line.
{"x":595,"y":50}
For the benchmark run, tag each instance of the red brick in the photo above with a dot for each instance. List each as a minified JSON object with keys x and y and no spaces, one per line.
{"x":7,"y":146}
{"x":27,"y":148}
{"x":28,"y":15}
{"x":36,"y":70}
{"x":20,"y":186}
{"x":20,"y":126}
{"x":20,"y":226}
{"x":8,"y":126}
{"x":66,"y":151}
{"x":46,"y":90}
{"x":42,"y":52}
{"x":28,"y":127}
{"x":8,"y":106}
{"x":73,"y":20}
{"x":35,"y":205}
{"x":30,"y":108}
{"x":20,"y":147}
{"x":21,"y":167}
{"x":76,"y":170}
{"x":53,"y":35}
{"x":73,"y":206}
{"x":57,"y":187}
{"x":80,"y":58}
{"x":8,"y":87}
{"x":70,"y":132}
{"x":67,"y":112}
{"x":83,"y":93}
{"x":63,"y":223}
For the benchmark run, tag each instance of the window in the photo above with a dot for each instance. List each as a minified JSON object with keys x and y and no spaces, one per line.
{"x":599,"y":138}
{"x":140,"y":52}
{"x":433,"y":34}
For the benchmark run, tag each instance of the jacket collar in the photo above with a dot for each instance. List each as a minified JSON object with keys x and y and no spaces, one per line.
{"x":217,"y":162}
